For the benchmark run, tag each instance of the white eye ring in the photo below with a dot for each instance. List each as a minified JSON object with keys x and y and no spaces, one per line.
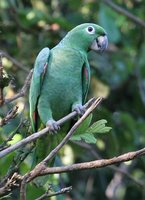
{"x":90,"y":30}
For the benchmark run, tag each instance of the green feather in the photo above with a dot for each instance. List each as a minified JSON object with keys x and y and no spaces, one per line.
{"x":36,"y":83}
{"x":55,"y":91}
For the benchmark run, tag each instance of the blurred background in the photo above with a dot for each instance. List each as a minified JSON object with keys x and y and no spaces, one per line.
{"x":118,"y":75}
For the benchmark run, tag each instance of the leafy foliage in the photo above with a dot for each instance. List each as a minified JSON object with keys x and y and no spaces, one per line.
{"x":88,"y":133}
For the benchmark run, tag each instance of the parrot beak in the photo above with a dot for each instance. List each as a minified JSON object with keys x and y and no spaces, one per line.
{"x":100,"y":44}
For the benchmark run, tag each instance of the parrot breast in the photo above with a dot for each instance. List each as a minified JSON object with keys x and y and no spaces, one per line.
{"x":62,"y":86}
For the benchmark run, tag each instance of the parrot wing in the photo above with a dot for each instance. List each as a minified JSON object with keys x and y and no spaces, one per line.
{"x":86,"y":80}
{"x":40,"y":68}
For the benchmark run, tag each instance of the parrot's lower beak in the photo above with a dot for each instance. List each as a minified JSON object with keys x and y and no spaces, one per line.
{"x":100,"y":44}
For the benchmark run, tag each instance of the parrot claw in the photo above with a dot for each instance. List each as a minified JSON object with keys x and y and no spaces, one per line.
{"x":79,"y":109}
{"x":53,"y":126}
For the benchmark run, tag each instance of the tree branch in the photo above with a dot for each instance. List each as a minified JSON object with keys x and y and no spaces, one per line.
{"x":114,"y":168}
{"x":14,"y":167}
{"x":72,"y":130}
{"x":23,"y":189}
{"x":42,"y":165}
{"x":44,"y":131}
{"x":4,"y":145}
{"x":23,"y":90}
{"x":124,"y":12}
{"x":116,"y":181}
{"x":93,"y":164}
{"x":80,"y":166}
{"x":10,"y":115}
{"x":12,"y":182}
{"x":1,"y":79}
{"x":48,"y":194}
{"x":39,"y":167}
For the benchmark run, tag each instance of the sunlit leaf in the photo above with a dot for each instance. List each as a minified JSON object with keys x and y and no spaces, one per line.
{"x":99,"y":127}
{"x":83,"y":127}
{"x":88,"y":134}
{"x":87,"y":137}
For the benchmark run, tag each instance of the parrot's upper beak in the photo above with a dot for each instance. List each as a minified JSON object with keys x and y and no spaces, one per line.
{"x":100,"y":44}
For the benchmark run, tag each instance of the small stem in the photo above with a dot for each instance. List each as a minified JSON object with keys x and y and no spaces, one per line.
{"x":22,"y":91}
{"x":23,"y":189}
{"x":62,"y":191}
{"x":1,"y":79}
{"x":10,"y":115}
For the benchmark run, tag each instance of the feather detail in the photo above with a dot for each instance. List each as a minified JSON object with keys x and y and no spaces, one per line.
{"x":85,"y":80}
{"x":40,"y":68}
{"x":44,"y":70}
{"x":86,"y":73}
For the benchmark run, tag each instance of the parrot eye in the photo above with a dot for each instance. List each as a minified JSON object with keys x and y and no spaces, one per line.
{"x":90,"y":30}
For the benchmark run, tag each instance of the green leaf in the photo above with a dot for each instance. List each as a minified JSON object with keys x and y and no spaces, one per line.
{"x":99,"y":127}
{"x":84,"y":126}
{"x":87,"y":137}
{"x":86,"y":134}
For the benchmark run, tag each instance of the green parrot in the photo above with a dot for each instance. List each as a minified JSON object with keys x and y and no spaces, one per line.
{"x":60,"y":82}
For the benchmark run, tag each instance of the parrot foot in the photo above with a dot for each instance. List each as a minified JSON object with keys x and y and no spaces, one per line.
{"x":79,"y":109}
{"x":53,"y":126}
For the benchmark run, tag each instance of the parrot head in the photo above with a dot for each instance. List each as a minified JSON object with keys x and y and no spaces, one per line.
{"x":87,"y":37}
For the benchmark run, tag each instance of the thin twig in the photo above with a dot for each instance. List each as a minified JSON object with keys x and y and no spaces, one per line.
{"x":23,"y":189}
{"x":9,"y":138}
{"x":10,"y":115}
{"x":116,"y":181}
{"x":14,"y":167}
{"x":23,"y":90}
{"x":62,"y":191}
{"x":1,"y":79}
{"x":41,"y":133}
{"x":14,"y":61}
{"x":12,"y":182}
{"x":124,"y":12}
{"x":136,"y":181}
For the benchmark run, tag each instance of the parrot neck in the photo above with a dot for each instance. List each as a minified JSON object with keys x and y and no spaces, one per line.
{"x":74,"y":43}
